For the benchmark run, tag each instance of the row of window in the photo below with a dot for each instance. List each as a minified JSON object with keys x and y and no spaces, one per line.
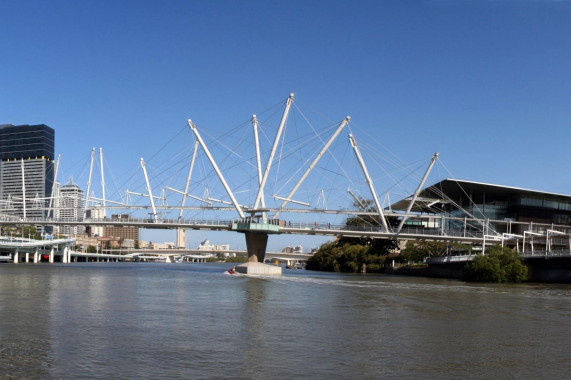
{"x":545,"y":203}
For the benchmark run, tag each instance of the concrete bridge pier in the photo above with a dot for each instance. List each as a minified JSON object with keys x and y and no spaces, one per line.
{"x":16,"y":257}
{"x":52,"y":254}
{"x":36,"y":256}
{"x":256,"y":243}
{"x":65,"y":257}
{"x":27,"y":257}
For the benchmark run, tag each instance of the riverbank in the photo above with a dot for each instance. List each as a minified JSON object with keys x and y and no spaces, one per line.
{"x":556,"y":271}
{"x":453,"y":271}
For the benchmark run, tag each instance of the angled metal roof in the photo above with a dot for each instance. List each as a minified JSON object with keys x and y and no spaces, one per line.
{"x":430,"y":196}
{"x":508,"y":188}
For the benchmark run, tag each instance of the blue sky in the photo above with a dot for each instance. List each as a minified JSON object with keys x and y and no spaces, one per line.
{"x":485,"y":83}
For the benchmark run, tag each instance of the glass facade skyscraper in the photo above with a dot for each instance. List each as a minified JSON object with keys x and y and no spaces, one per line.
{"x":26,"y":169}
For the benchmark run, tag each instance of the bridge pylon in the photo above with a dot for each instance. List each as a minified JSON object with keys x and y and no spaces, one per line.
{"x":256,"y":243}
{"x":256,"y":229}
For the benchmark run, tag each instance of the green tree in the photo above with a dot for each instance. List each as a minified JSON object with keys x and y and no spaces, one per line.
{"x":23,"y":232}
{"x":349,"y":257}
{"x":349,"y":254}
{"x":500,"y":265}
{"x":91,"y":249}
{"x":237,"y":259}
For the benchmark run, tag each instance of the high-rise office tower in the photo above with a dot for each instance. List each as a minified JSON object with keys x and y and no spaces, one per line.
{"x":69,"y":206}
{"x":26,"y":152}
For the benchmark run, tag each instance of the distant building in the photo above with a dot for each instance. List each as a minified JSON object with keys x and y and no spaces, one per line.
{"x":296,"y":249}
{"x":69,"y":206}
{"x":143,"y":244}
{"x":26,"y":151}
{"x":206,"y":246}
{"x":180,"y":238}
{"x":95,"y":213}
{"x":123,"y":232}
{"x":82,"y":241}
{"x":128,"y":243}
{"x":165,"y":245}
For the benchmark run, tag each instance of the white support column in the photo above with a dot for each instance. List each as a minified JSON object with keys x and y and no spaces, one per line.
{"x":102,"y":182}
{"x":258,"y":161}
{"x":369,"y":182}
{"x":422,"y":181}
{"x":27,"y":257}
{"x":357,"y":200}
{"x":273,"y":152}
{"x":188,"y":177}
{"x":53,"y":193}
{"x":23,"y":190}
{"x":149,"y":190}
{"x":16,"y":257}
{"x":484,"y":245}
{"x":216,"y":169}
{"x":89,"y":182}
{"x":36,"y":256}
{"x":315,"y":161}
{"x":52,"y":254}
{"x":64,"y":257}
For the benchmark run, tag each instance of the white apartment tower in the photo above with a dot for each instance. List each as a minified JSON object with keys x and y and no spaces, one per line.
{"x":69,"y":206}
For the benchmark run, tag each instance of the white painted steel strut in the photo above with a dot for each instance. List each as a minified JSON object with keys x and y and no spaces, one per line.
{"x":89,"y":180}
{"x":315,"y":161}
{"x":369,"y":182}
{"x":188,"y":177}
{"x":273,"y":152}
{"x":405,"y":217}
{"x":216,"y":169}
{"x":149,"y":190}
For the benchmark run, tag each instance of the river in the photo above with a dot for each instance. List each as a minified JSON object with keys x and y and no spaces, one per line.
{"x":190,"y":321}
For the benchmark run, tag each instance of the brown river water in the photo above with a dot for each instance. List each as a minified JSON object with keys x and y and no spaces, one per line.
{"x":190,"y":321}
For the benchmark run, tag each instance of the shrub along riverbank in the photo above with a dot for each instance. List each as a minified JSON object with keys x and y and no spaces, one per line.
{"x":501,"y":265}
{"x":352,"y":255}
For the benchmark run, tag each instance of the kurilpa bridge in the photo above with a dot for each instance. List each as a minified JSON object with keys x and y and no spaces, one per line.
{"x":261,"y":190}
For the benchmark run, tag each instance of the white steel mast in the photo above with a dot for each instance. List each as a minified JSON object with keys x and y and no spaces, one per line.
{"x":359,"y":202}
{"x":149,"y":190}
{"x":23,"y":190}
{"x":369,"y":182}
{"x":216,"y":169}
{"x":258,"y":156}
{"x":315,"y":161}
{"x":273,"y":152}
{"x":405,"y":217}
{"x":54,"y":187}
{"x":184,"y":195}
{"x":89,"y":180}
{"x":102,"y":181}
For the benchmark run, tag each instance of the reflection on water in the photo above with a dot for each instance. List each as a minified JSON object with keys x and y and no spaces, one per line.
{"x":140,"y":320}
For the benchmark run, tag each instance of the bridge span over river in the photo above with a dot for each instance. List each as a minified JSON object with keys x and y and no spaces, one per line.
{"x":267,"y":187}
